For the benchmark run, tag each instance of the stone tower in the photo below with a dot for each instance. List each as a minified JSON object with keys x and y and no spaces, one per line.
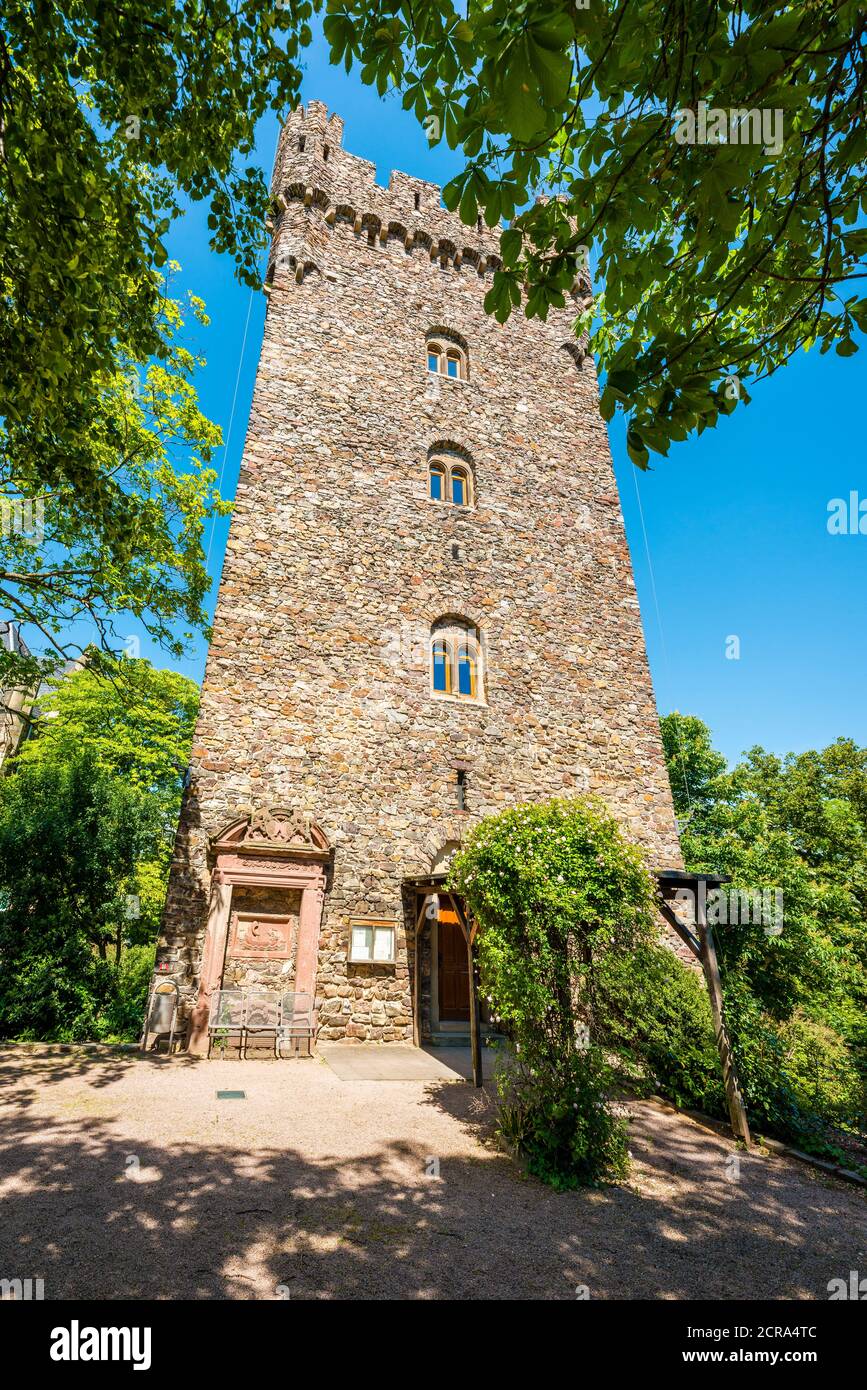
{"x":426,"y":614}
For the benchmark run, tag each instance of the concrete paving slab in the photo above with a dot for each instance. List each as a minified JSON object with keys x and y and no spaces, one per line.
{"x":369,"y":1062}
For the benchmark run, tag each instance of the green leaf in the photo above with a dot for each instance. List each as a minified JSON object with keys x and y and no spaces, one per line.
{"x":636,"y":448}
{"x":510,"y":245}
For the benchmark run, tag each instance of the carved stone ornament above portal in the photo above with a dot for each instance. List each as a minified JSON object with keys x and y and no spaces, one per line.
{"x":274,"y":830}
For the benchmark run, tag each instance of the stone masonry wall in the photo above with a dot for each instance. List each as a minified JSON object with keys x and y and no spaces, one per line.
{"x":317,"y":693}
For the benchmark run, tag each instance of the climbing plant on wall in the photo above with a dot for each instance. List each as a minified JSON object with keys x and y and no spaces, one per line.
{"x":553,"y":887}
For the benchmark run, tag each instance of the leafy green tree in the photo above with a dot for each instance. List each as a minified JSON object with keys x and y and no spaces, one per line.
{"x":111,"y":117}
{"x":71,"y":836}
{"x":654,"y":1015}
{"x":693,"y":763}
{"x":719,"y":259}
{"x":797,"y":824}
{"x":725,"y":246}
{"x":137,"y":722}
{"x":136,"y":548}
{"x":551,"y":887}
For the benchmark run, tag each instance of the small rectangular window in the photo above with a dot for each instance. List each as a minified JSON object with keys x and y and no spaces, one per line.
{"x":433,"y":362}
{"x":371,"y":941}
{"x":462,"y":790}
{"x":458,"y":492}
{"x":452,"y":367}
{"x":436,"y":486}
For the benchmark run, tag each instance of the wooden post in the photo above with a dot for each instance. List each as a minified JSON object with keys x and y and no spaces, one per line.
{"x":416,"y":973}
{"x":475,"y":1028}
{"x":702,"y":945}
{"x":710,"y":965}
{"x":475,"y":1032}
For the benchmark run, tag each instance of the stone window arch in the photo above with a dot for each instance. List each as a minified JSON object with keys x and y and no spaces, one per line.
{"x":372,"y":226}
{"x":450,"y":477}
{"x":456,"y":666}
{"x":447,"y":355}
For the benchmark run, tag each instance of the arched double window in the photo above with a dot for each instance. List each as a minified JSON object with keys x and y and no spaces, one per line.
{"x":450,"y":482}
{"x":446,"y":357}
{"x":456,"y":666}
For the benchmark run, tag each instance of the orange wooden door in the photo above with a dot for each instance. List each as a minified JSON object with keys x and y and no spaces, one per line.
{"x":454,"y":980}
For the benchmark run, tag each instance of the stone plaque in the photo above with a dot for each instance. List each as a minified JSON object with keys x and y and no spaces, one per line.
{"x":260,"y":936}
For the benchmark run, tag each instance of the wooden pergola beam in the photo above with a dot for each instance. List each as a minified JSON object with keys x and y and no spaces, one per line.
{"x":703,"y":947}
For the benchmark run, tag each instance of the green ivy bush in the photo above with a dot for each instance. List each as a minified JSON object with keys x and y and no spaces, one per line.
{"x":553,"y":888}
{"x":71,"y":838}
{"x":57,"y":993}
{"x":823,"y":1073}
{"x":557,"y":1116}
{"x":69,"y":995}
{"x":655,"y":1024}
{"x":759,"y":1054}
{"x":792,"y":1093}
{"x":655,"y":1019}
{"x":123,"y":1018}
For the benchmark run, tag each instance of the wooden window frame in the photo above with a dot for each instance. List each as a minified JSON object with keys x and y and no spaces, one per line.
{"x":372,"y":925}
{"x":456,"y":651}
{"x":445,"y":353}
{"x":463,"y":473}
{"x":467,"y":655}
{"x":447,"y":664}
{"x":442,"y":472}
{"x":447,"y":472}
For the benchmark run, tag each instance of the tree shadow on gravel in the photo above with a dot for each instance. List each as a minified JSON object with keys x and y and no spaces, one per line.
{"x":205,"y":1219}
{"x":28,"y":1072}
{"x":698,"y":1217}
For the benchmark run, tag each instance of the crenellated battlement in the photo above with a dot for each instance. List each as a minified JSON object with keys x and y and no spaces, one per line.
{"x":313,"y":171}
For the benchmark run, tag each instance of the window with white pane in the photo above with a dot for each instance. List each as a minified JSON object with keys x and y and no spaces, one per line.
{"x":372,"y":940}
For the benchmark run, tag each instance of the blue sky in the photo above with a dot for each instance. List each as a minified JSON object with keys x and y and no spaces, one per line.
{"x":736,"y":537}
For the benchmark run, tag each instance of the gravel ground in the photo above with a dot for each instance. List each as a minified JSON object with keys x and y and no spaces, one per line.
{"x":124,"y":1177}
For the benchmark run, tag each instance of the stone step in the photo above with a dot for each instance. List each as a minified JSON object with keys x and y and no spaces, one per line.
{"x":461,"y":1039}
